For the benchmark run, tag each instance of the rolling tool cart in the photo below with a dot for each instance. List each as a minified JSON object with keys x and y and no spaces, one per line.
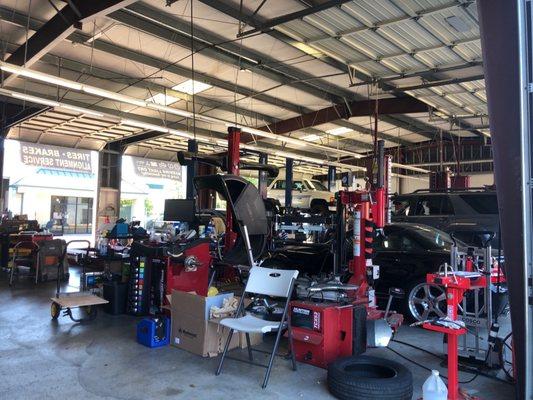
{"x":24,"y":259}
{"x":83,"y":299}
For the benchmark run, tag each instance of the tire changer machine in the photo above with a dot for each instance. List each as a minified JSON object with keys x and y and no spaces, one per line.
{"x":472,"y":282}
{"x":340,"y":318}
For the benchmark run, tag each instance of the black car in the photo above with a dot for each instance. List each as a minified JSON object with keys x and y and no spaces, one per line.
{"x":406,"y":253}
{"x":465,"y":213}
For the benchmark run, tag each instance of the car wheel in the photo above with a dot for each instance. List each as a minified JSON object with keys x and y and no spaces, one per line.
{"x":319,"y":208}
{"x":425,"y":301}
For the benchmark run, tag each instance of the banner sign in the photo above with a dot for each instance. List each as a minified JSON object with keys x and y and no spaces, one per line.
{"x":157,"y":169}
{"x":39,"y":155}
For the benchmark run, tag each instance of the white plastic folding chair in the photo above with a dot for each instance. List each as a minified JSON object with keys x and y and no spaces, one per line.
{"x":267,"y":282}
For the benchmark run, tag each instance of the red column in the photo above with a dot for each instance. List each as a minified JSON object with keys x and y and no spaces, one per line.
{"x":234,"y":139}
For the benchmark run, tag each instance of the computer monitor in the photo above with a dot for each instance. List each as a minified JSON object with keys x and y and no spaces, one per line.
{"x":182,"y":210}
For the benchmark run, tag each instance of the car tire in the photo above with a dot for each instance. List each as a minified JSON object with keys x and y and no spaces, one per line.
{"x":369,"y":378}
{"x":432,"y":299}
{"x":319,"y":208}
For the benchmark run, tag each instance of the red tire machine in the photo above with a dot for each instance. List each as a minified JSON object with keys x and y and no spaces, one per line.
{"x":455,"y":286}
{"x":323,"y":332}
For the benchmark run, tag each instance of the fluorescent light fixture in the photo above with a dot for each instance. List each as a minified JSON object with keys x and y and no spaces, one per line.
{"x":95,"y":37}
{"x":310,"y":138}
{"x":339,"y":131}
{"x":81,"y":110}
{"x":298,"y":142}
{"x":40,"y":76}
{"x":162,"y":99}
{"x":170,"y":110}
{"x":191,"y":87}
{"x":144,"y":125}
{"x":113,"y":96}
{"x":182,"y":134}
{"x":308,"y":49}
{"x":34,"y":99}
{"x":458,"y":24}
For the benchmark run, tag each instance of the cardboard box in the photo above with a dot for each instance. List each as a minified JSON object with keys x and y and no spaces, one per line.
{"x":191,"y":329}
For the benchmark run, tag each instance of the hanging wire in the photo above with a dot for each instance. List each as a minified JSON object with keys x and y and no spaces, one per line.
{"x":240,"y":27}
{"x":193,"y":73}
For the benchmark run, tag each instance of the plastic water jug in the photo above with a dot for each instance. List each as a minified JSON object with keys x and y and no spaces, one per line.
{"x":434,"y":388}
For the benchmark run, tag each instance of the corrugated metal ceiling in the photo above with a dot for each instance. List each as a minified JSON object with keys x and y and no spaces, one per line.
{"x":380,"y":38}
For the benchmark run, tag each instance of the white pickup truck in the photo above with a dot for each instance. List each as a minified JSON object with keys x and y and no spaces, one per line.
{"x":307,"y":194}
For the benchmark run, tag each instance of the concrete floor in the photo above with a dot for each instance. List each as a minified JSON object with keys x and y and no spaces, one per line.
{"x":45,"y":359}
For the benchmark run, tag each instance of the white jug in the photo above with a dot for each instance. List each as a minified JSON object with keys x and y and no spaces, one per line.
{"x":434,"y":388}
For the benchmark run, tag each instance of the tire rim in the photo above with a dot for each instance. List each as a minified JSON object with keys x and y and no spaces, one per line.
{"x":427,"y":301}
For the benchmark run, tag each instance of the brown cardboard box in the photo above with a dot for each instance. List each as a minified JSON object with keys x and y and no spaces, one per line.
{"x":192,"y":331}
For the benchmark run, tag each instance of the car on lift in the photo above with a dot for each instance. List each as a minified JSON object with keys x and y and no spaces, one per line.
{"x":463,"y":212}
{"x":405,"y":253}
{"x":307,"y":194}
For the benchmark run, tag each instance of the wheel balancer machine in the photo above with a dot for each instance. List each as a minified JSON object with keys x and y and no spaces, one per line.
{"x":189,"y":268}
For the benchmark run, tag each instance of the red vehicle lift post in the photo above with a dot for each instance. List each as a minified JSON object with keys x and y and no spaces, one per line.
{"x":234,"y":140}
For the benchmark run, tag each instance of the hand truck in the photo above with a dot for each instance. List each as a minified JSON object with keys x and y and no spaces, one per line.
{"x":83,"y":299}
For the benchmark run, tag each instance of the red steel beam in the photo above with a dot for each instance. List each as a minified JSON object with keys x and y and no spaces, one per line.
{"x":360,"y":108}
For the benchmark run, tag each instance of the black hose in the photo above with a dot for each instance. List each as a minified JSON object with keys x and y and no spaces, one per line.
{"x":467,"y":369}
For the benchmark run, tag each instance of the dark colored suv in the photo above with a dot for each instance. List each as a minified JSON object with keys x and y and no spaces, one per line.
{"x":464,"y":213}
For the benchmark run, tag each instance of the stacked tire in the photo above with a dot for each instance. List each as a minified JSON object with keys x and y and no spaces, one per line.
{"x":369,"y":378}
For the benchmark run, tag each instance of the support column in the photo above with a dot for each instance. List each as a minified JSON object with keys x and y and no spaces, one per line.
{"x":192,"y":169}
{"x":234,"y":140}
{"x":4,"y":186}
{"x":332,"y":172}
{"x":289,"y":164}
{"x":263,"y":176}
{"x":109,"y":179}
{"x":505,"y":28}
{"x":206,"y":199}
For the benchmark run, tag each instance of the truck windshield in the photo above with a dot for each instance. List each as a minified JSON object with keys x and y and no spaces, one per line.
{"x":316,"y":185}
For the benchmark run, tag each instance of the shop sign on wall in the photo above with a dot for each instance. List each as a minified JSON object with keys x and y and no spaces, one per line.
{"x":157,"y":169}
{"x":38,"y":155}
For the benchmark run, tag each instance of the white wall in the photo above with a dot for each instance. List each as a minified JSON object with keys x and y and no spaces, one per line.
{"x":409,"y":185}
{"x":481,"y":179}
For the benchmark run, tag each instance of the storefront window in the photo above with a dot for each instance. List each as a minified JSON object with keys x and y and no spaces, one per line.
{"x":71,"y":215}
